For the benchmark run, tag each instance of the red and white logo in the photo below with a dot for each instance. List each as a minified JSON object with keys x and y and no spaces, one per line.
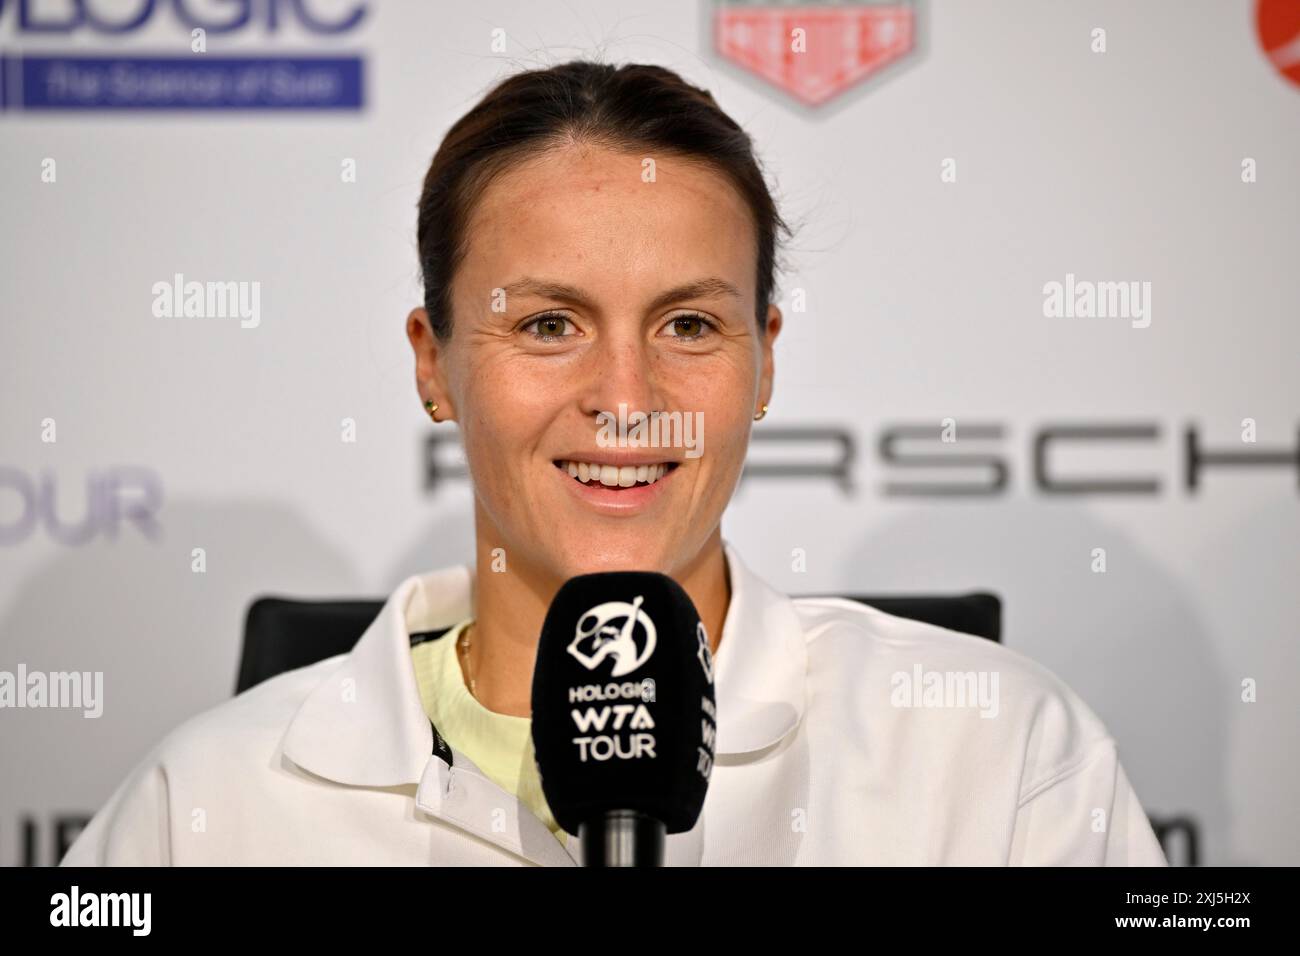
{"x":1278,"y":24}
{"x":814,"y":51}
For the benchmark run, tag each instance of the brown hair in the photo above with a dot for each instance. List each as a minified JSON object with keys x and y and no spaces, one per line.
{"x":635,"y":106}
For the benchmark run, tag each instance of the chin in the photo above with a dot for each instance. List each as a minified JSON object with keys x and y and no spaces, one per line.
{"x":606,"y":553}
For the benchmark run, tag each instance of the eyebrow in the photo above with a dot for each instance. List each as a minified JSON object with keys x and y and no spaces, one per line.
{"x":706,"y":288}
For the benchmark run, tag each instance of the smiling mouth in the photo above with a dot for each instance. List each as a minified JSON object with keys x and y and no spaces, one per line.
{"x":614,"y":476}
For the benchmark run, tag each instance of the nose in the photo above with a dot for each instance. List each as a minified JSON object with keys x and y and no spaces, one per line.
{"x":619,"y":370}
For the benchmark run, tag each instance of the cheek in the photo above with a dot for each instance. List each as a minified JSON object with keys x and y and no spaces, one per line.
{"x":724,"y":397}
{"x":499,"y":420}
{"x":519,"y":387}
{"x":728,"y":440}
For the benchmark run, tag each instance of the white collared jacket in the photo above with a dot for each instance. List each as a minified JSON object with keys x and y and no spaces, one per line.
{"x":845,"y":736}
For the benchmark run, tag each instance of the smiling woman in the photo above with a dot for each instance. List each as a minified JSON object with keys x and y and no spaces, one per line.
{"x":593,"y":237}
{"x":598,"y":242}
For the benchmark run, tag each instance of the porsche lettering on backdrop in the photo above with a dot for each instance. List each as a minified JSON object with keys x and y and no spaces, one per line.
{"x":983,"y":463}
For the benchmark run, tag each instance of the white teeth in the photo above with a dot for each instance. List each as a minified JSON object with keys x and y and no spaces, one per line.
{"x":610,"y":475}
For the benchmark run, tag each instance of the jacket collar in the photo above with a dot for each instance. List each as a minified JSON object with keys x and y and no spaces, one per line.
{"x":364,"y":724}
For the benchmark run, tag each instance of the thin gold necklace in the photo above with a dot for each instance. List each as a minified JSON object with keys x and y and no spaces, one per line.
{"x":469,"y":664}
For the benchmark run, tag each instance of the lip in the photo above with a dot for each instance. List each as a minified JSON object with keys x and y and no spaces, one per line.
{"x":610,"y":456}
{"x":622,"y":501}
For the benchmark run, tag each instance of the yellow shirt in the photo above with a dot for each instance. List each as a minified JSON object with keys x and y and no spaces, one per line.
{"x":500,"y":744}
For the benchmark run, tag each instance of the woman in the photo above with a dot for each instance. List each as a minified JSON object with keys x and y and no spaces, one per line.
{"x":595,"y":239}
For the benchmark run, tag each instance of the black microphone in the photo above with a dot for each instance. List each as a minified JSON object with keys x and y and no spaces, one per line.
{"x":624,"y":717}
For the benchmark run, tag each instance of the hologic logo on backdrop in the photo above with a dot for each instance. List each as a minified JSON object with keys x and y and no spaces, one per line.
{"x":181,"y":55}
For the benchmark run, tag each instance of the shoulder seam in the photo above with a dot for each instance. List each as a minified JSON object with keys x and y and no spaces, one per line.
{"x":833,"y":603}
{"x":1066,"y":772}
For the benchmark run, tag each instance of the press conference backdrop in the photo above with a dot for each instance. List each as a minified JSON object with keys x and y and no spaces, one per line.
{"x":1041,"y":339}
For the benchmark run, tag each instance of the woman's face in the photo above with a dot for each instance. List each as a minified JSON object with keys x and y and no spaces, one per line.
{"x":590,"y":284}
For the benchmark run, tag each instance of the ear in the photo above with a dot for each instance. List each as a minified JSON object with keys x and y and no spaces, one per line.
{"x":768,"y":371}
{"x":430,"y":380}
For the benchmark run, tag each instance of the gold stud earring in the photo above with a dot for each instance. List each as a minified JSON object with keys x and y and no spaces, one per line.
{"x":761,"y":415}
{"x":431,"y":407}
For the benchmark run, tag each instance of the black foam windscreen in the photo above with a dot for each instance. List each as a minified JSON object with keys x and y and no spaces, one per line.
{"x":624,"y":716}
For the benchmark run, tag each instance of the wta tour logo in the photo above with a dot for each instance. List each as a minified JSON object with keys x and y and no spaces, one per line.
{"x":814,"y":50}
{"x":702,"y":653}
{"x":597,"y":638}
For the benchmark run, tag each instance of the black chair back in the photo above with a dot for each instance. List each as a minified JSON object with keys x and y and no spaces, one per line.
{"x":282,"y":634}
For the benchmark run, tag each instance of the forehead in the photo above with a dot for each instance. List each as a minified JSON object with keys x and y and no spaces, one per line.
{"x":589,"y":213}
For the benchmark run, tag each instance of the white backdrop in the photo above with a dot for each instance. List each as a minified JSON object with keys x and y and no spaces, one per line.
{"x":924,"y":301}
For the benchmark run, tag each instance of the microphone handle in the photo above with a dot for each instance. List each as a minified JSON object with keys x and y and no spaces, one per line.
{"x":622,"y":838}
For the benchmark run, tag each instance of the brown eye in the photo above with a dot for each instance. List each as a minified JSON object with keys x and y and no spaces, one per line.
{"x":548,"y":328}
{"x":690,"y":326}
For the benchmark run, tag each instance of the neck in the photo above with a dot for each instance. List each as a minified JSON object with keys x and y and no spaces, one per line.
{"x":510,"y":608}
